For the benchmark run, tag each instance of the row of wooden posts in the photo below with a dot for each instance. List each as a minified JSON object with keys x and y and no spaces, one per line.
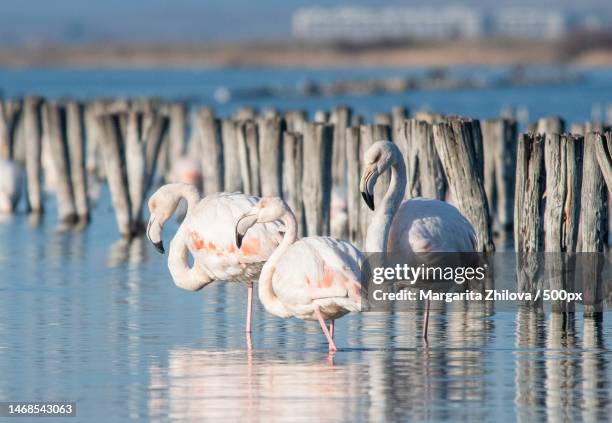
{"x":558,"y":178}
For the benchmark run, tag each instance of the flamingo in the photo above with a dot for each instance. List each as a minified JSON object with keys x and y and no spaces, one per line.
{"x":418,"y":225}
{"x":314,"y":278}
{"x":207,"y":232}
{"x":11,"y":176}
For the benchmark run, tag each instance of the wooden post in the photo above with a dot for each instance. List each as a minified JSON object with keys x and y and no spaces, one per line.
{"x":232,"y":176}
{"x":244,"y":113}
{"x":354,"y":201}
{"x":9,"y":118}
{"x":455,"y":146}
{"x":563,"y":161}
{"x":112,"y":150}
{"x":399,"y":114}
{"x":295,"y":120}
{"x":95,"y":138}
{"x":603,"y":152}
{"x":550,"y":125}
{"x":248,"y":149}
{"x":177,"y":132}
{"x":155,"y":135}
{"x":321,"y":116}
{"x":529,"y":212}
{"x":499,"y":142}
{"x":316,"y":177}
{"x":136,"y":164}
{"x":383,"y":119}
{"x":54,"y":127}
{"x":292,"y":176}
{"x":593,"y":227}
{"x":369,"y":134}
{"x":341,"y":117}
{"x":76,"y":149}
{"x":425,"y":173}
{"x":209,"y":135}
{"x":270,"y":155}
{"x":33,"y":145}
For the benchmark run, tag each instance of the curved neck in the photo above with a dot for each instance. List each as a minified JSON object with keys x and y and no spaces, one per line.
{"x":265,"y":290}
{"x":189,"y":193}
{"x":190,"y":278}
{"x":378,"y":230}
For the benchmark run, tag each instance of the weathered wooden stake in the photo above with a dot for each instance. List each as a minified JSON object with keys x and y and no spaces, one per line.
{"x":341,"y":117}
{"x":455,"y":146}
{"x":354,"y":203}
{"x":54,"y":127}
{"x":112,"y":150}
{"x":425,"y":173}
{"x":33,"y":145}
{"x":563,"y":163}
{"x":550,"y":125}
{"x":209,"y":134}
{"x":292,"y":176}
{"x":155,"y":136}
{"x":271,"y":155}
{"x":316,"y":177}
{"x":295,"y":120}
{"x":593,"y":227}
{"x":232,"y":176}
{"x":177,"y":132}
{"x":248,"y":148}
{"x":499,"y":142}
{"x":76,"y":150}
{"x":529,"y":213}
{"x":10,"y":111}
{"x":136,"y":164}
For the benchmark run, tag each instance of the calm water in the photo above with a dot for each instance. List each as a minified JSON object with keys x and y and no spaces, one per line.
{"x":87,"y":318}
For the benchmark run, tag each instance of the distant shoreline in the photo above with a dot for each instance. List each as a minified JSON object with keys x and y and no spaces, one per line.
{"x":495,"y":52}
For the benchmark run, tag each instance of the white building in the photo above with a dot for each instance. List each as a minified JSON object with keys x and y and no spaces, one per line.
{"x":358,"y":24}
{"x":363,"y":24}
{"x":528,"y":23}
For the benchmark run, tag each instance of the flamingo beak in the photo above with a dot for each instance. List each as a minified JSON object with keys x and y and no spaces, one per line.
{"x":367,"y":183}
{"x":243,"y":224}
{"x":155,"y":233}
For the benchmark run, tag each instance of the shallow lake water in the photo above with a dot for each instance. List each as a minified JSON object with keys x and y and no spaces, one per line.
{"x":85,"y":317}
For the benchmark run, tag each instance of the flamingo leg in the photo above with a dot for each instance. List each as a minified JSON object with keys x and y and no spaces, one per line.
{"x":425,"y":321}
{"x":331,"y":328}
{"x":249,"y":307}
{"x":332,"y":346}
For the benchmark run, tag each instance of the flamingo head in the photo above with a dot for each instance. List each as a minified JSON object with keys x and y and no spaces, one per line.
{"x":162,"y":205}
{"x":268,"y":209}
{"x":378,"y":159}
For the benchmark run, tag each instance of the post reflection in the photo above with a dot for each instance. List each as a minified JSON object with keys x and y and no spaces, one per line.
{"x":553,"y":382}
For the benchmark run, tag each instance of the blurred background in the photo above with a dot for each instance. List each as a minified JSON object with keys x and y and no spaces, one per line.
{"x":190,"y":32}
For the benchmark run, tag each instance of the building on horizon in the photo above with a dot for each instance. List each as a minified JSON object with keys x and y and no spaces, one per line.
{"x":388,"y":23}
{"x":423,"y":23}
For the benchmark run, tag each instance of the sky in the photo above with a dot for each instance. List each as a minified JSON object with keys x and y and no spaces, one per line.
{"x":25,"y":21}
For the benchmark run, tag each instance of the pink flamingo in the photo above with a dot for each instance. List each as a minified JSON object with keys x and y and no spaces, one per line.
{"x":418,"y":225}
{"x":315,"y":278}
{"x":207,"y":232}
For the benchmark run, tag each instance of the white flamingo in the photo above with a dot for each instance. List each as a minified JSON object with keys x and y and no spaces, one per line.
{"x":418,"y":225}
{"x":315,"y":278}
{"x":11,"y":177}
{"x":207,"y":232}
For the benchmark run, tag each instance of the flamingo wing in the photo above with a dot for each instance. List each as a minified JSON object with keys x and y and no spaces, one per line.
{"x":211,"y":238}
{"x":317,"y":268}
{"x":426,"y":225}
